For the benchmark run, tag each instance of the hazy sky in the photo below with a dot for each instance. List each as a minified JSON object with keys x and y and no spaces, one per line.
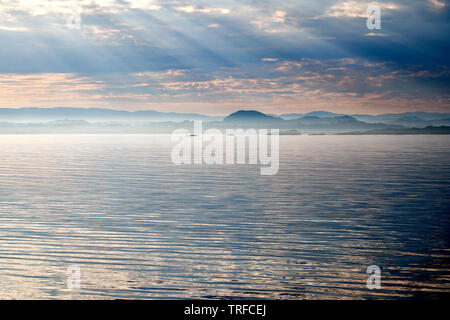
{"x":215,"y":57}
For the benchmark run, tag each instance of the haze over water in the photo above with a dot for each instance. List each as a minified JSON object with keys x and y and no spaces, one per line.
{"x":140,"y":227}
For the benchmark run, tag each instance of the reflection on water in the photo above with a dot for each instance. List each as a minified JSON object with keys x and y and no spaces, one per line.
{"x":140,"y":227}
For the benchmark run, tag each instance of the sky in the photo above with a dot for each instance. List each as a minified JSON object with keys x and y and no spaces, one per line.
{"x":216,"y":57}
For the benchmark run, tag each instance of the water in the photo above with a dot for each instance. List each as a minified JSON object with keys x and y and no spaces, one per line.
{"x":140,"y":227}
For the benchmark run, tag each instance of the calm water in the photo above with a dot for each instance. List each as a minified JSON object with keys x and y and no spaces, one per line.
{"x":138,"y":226}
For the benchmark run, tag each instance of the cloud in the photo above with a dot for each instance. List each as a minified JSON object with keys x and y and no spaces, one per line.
{"x":269,"y":59}
{"x":437,"y":4}
{"x":193,"y":9}
{"x":214,"y":54}
{"x":47,"y":89}
{"x":375,"y":34}
{"x":144,"y":5}
{"x":5,"y":28}
{"x":279,"y":16}
{"x":356,"y":9}
{"x":348,"y":84}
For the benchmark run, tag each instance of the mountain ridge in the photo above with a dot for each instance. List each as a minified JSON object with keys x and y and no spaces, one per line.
{"x":312,"y":122}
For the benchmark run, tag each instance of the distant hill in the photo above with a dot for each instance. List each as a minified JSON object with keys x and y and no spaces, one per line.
{"x":401,"y":131}
{"x":249,"y":116}
{"x":94,"y":120}
{"x":94,"y":114}
{"x":309,"y":123}
{"x":409,"y":119}
{"x":318,"y":114}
